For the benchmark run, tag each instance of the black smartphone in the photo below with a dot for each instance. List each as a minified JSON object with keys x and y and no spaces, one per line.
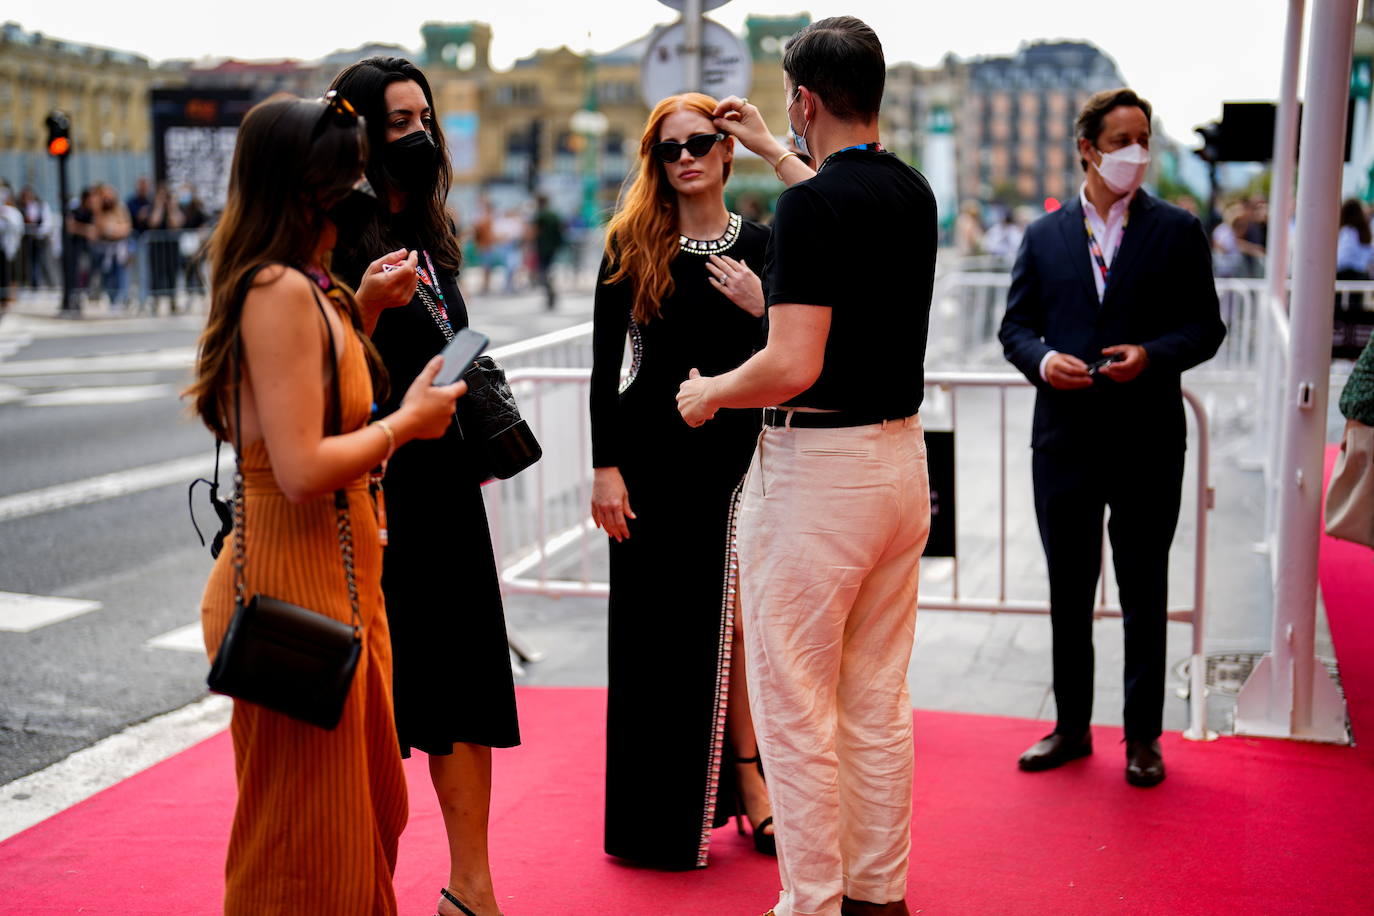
{"x":1105,"y":361}
{"x":465,"y":347}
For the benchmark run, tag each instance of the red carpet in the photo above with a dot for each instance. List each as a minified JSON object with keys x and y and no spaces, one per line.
{"x":1245,"y":826}
{"x":1346,"y":571}
{"x":1239,"y":826}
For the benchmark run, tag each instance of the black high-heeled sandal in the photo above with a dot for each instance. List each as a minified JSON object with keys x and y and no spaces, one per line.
{"x":448,"y":895}
{"x":765,"y":843}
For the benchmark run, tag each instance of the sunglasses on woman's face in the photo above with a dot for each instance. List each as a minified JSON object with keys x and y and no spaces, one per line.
{"x":698,"y":146}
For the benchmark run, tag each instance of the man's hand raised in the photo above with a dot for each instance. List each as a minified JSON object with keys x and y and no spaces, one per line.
{"x":738,"y":118}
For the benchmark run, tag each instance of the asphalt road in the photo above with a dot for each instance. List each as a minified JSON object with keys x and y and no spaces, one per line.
{"x":96,"y":452}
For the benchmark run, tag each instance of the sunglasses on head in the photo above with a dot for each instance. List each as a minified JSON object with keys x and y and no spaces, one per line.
{"x":698,"y":146}
{"x":338,"y":108}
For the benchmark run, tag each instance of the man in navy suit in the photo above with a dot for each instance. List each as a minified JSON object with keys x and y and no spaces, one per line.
{"x":1111,"y":299}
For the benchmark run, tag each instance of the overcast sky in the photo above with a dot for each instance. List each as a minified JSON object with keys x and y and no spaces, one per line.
{"x":1186,"y":56}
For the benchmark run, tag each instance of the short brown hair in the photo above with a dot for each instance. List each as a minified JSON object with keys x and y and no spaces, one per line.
{"x":841,"y":60}
{"x":1089,"y":124}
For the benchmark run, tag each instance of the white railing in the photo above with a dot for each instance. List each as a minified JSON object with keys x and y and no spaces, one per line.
{"x":570,"y":347}
{"x":1252,"y":361}
{"x":1270,"y":380}
{"x":979,"y":300}
{"x":545,"y":539}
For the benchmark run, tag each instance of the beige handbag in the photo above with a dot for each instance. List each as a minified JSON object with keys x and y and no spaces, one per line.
{"x":1350,"y":497}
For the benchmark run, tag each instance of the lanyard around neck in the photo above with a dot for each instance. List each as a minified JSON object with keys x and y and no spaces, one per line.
{"x":1096,"y":249}
{"x":431,"y":280}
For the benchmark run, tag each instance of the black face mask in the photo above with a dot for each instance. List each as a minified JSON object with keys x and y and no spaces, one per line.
{"x":351,"y":214}
{"x":412,"y":162}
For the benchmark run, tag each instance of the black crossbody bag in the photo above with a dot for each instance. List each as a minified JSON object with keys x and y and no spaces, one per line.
{"x":287,"y":658}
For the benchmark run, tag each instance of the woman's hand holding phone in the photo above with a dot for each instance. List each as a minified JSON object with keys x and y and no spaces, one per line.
{"x":427,"y":409}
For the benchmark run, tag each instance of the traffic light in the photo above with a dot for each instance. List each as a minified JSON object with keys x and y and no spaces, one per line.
{"x":59,"y":135}
{"x":1211,"y":142}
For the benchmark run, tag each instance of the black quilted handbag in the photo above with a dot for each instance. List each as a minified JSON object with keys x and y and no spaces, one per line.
{"x":501,"y":442}
{"x":488,"y":417}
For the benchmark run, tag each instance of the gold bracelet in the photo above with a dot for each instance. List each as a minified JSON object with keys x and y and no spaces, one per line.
{"x":781,"y":159}
{"x":390,"y":438}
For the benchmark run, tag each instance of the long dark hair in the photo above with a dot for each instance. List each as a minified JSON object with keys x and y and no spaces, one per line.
{"x":292,"y":162}
{"x":364,"y":84}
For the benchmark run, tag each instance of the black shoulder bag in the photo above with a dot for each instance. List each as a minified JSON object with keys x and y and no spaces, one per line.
{"x":487,"y":416}
{"x":287,"y":658}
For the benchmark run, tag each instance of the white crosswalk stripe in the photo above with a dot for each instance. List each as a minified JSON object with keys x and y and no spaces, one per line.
{"x":11,"y":344}
{"x":21,"y":613}
{"x":107,"y":486}
{"x":190,"y":638}
{"x":108,"y":394}
{"x":143,"y":361}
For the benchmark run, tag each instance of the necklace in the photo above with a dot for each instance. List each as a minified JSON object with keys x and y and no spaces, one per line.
{"x":321,"y":278}
{"x":712,"y":246}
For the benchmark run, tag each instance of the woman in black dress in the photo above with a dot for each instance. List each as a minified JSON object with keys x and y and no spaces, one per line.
{"x":453,"y":687}
{"x":680,"y":750}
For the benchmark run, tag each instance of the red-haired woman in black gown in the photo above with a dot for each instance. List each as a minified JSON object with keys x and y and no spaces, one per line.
{"x":680,"y":750}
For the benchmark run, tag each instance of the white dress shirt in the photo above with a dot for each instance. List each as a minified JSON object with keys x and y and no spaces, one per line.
{"x":1109,"y":234}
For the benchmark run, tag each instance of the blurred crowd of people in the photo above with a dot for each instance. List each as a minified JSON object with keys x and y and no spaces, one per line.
{"x":141,"y":251}
{"x":997,"y":238}
{"x":992,"y":233}
{"x":521,"y":243}
{"x":135,"y":252}
{"x":1239,"y":239}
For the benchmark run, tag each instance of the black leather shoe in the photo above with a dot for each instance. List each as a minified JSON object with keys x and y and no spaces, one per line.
{"x":850,"y":907}
{"x":1055,"y":750}
{"x":1144,"y":763}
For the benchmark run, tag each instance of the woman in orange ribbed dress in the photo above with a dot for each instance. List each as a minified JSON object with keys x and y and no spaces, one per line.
{"x":319,"y":811}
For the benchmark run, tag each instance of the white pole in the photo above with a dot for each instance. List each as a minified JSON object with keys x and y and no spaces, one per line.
{"x":1280,"y":208}
{"x":1285,"y":155}
{"x":691,"y":19}
{"x":1289,"y":694}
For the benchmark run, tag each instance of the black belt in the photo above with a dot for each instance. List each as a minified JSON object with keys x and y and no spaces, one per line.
{"x":777,"y":416}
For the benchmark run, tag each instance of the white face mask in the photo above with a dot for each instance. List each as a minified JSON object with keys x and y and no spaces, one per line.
{"x":1124,"y":170}
{"x":798,"y":139}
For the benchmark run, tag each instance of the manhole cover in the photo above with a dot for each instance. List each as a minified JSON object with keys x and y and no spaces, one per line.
{"x":1228,"y":671}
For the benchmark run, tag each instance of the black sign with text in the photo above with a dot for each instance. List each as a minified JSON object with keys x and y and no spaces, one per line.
{"x":194,"y":131}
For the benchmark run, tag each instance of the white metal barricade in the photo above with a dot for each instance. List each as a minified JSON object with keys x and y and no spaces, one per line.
{"x":541,"y":516}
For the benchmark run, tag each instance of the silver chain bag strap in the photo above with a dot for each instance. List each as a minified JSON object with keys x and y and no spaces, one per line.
{"x":287,"y":658}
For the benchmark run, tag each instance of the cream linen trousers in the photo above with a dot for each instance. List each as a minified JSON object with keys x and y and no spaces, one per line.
{"x":830,"y":534}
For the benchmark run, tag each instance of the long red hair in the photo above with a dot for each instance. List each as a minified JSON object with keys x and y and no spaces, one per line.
{"x":642,"y":239}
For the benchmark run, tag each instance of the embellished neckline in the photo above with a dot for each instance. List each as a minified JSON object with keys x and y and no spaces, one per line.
{"x":713,"y":246}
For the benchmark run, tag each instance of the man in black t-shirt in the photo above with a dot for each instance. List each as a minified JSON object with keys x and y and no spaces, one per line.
{"x":836,"y":506}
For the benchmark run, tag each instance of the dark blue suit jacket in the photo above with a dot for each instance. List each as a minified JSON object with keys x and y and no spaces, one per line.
{"x":1160,"y":295}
